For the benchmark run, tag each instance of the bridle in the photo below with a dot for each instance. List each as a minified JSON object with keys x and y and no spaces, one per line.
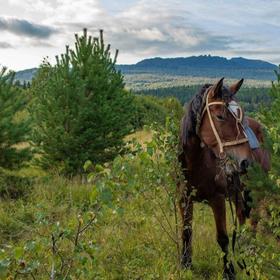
{"x":237,"y":118}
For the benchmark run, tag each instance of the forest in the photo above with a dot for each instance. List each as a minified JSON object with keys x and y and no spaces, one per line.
{"x":89,"y":174}
{"x":251,"y":98}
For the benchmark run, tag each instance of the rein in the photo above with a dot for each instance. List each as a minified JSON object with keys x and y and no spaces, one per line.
{"x":236,"y":185}
{"x":218,"y":138}
{"x":234,"y":178}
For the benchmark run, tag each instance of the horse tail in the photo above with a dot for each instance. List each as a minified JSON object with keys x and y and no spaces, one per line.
{"x":262,"y":157}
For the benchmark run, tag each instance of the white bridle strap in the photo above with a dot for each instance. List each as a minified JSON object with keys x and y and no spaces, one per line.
{"x":211,"y":103}
{"x":238,"y":120}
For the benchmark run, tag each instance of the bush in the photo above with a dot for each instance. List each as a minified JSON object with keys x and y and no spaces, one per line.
{"x":14,"y":186}
{"x":259,"y":247}
{"x":14,"y":131}
{"x":60,"y":223}
{"x":150,"y":109}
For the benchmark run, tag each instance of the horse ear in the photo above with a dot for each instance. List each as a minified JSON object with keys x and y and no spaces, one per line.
{"x":235,"y":87}
{"x":216,"y":89}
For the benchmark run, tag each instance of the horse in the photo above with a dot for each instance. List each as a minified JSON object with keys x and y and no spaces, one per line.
{"x":214,"y":153}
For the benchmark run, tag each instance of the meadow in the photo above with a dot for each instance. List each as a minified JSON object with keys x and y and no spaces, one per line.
{"x":118,"y":223}
{"x":89,"y":175}
{"x":150,"y":81}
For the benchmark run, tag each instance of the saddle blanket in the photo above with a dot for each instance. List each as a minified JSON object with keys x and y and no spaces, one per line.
{"x":253,"y":141}
{"x":236,"y":110}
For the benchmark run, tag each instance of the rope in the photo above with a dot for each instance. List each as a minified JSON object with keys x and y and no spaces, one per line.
{"x":236,"y":184}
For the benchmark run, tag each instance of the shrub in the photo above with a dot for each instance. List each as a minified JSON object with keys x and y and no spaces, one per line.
{"x":150,"y":109}
{"x":13,"y":130}
{"x":14,"y":186}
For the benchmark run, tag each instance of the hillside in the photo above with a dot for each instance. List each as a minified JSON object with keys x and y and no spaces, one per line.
{"x":26,"y":75}
{"x":205,"y":61}
{"x":204,"y":66}
{"x":194,"y":66}
{"x":148,"y":81}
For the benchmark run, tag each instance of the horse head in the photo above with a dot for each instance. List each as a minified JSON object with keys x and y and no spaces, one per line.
{"x":221,"y":125}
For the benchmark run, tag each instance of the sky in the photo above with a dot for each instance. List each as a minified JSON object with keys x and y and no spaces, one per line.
{"x":31,"y":30}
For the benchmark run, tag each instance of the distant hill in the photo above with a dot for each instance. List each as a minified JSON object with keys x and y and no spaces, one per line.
{"x":26,"y":75}
{"x":205,"y":61}
{"x":196,"y":66}
{"x":204,"y":66}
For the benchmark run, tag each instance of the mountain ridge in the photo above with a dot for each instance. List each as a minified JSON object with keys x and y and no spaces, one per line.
{"x":205,"y":60}
{"x":196,"y":66}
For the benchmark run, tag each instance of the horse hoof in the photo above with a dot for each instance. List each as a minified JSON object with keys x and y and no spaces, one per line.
{"x":229,"y":274}
{"x":186,"y":262}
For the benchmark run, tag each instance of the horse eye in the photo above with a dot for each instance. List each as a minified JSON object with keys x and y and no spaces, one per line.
{"x":220,"y":118}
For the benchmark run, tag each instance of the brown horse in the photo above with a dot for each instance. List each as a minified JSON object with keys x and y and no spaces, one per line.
{"x":214,"y":152}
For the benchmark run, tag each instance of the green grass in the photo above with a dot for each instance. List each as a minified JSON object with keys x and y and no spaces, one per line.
{"x":131,"y":245}
{"x":129,"y":239}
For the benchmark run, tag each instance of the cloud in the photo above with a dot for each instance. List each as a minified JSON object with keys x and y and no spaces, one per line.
{"x":40,"y":43}
{"x":258,"y":51}
{"x":148,"y":34}
{"x":22,"y":27}
{"x":5,"y":45}
{"x":147,"y":28}
{"x":172,"y":40}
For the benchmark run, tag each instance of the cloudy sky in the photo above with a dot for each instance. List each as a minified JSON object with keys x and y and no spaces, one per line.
{"x":33,"y":29}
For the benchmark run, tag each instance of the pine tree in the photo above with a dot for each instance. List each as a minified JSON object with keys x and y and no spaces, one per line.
{"x":14,"y":128}
{"x":80,"y":109}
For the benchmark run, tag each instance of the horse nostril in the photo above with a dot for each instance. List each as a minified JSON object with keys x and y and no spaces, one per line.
{"x":244,"y":165}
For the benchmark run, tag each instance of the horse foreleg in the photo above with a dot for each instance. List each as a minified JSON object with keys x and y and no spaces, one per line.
{"x":219,"y":209}
{"x":186,"y":207}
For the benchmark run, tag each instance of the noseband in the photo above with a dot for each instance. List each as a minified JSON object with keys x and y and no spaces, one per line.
{"x":237,"y":118}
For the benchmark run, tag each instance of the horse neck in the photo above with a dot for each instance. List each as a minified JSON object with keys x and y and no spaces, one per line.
{"x":193,"y":150}
{"x":198,"y":157}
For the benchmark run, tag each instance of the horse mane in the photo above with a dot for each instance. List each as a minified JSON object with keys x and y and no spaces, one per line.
{"x":191,"y":120}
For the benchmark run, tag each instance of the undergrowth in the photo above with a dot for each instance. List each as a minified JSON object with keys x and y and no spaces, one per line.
{"x":120,"y":223}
